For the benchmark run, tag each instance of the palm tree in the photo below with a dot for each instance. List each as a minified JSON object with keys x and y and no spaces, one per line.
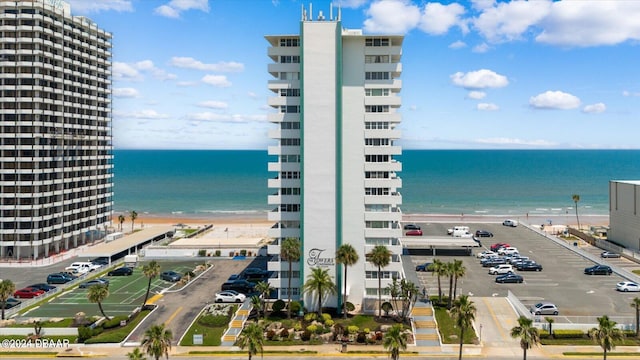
{"x":527,"y":333}
{"x":449,"y":273}
{"x":635,"y":303}
{"x":252,"y":338}
{"x":347,"y":256}
{"x":439,"y":269}
{"x":458,"y":271}
{"x":463,"y":313}
{"x":576,"y":199}
{"x":136,"y":354}
{"x":121,"y":219}
{"x":379,"y":256}
{"x":133,"y":215}
{"x":7,"y":288}
{"x":606,"y":334}
{"x":290,"y":252}
{"x":157,"y":341}
{"x":150,"y":270}
{"x":320,"y":283}
{"x":257,"y":303}
{"x":395,"y":340}
{"x":264,"y":289}
{"x":97,"y":294}
{"x":550,"y":320}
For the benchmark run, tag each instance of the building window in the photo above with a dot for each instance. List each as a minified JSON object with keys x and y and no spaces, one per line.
{"x":289,"y":191}
{"x":376,"y":175}
{"x":385,"y":274}
{"x":376,"y":207}
{"x":381,"y":241}
{"x":376,"y":92}
{"x":289,"y":109}
{"x":377,"y":142}
{"x":289,"y":125}
{"x":376,"y":41}
{"x":289,"y":158}
{"x":294,"y":291}
{"x":289,"y":92}
{"x":289,"y":59}
{"x":289,"y":175}
{"x":376,"y":59}
{"x":377,"y":224}
{"x":376,"y":191}
{"x":289,"y":142}
{"x":376,"y":108}
{"x":377,"y":75}
{"x":289,"y":42}
{"x":289,"y":207}
{"x":290,"y":76}
{"x":376,"y":158}
{"x":375,"y":125}
{"x":285,"y":274}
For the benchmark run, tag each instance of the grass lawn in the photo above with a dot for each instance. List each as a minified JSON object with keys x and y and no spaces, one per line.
{"x":448,"y":329}
{"x":211,"y":336}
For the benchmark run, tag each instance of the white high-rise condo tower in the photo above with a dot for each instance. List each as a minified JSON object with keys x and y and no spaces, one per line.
{"x":334,"y":169}
{"x":56,"y":154}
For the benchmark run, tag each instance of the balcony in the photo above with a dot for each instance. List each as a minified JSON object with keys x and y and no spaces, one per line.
{"x":283,"y":232}
{"x":283,"y":199}
{"x":393,"y":200}
{"x":394,"y":166}
{"x":383,"y":150}
{"x":277,"y":215}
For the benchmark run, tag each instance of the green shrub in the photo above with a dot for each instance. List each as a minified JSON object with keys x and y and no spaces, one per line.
{"x":366,"y":330}
{"x":218,"y":252}
{"x":544,"y":334}
{"x":295,"y":307}
{"x":202,"y":252}
{"x":387,"y":307}
{"x":329,"y":322}
{"x":310,"y":317}
{"x":114,"y":322}
{"x":349,"y":306}
{"x":85,"y":333}
{"x":326,"y":317}
{"x":213,"y":321}
{"x":297,"y":326}
{"x":312,"y":328}
{"x":568,"y":334}
{"x":243,"y":252}
{"x":352,"y":329}
{"x":278,"y":305}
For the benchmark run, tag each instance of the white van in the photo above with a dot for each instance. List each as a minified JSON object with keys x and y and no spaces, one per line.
{"x":458,"y":229}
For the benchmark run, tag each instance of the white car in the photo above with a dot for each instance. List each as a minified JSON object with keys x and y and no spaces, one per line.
{"x":626,"y":286}
{"x":508,"y":250}
{"x":230,"y":296}
{"x":501,"y":269}
{"x":509,"y":222}
{"x":485,"y":254}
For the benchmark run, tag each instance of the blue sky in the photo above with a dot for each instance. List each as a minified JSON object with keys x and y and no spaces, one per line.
{"x":481,"y":74}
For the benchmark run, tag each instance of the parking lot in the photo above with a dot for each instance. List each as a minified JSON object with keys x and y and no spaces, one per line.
{"x":561,"y":282}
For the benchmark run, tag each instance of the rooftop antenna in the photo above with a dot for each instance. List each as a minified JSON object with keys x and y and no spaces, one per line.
{"x":331,"y":11}
{"x":303,"y":12}
{"x":339,"y":12}
{"x":311,"y":12}
{"x":320,"y":16}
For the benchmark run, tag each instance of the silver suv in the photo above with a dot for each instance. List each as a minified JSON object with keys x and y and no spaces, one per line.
{"x":544,"y":309}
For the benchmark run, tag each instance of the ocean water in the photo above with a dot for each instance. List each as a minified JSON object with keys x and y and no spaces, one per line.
{"x":202,"y":183}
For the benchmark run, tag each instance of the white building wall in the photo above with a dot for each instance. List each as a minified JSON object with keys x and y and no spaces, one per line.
{"x":624,"y":213}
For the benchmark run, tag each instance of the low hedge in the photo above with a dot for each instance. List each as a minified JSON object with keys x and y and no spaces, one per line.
{"x":568,"y":334}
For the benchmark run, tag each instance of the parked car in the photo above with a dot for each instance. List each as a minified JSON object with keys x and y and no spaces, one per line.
{"x":544,"y":309}
{"x":94,"y":282}
{"x":241,"y":286}
{"x":414,"y":233}
{"x":514,"y":259}
{"x":483,"y":233}
{"x":508,"y":250}
{"x":11,"y":302}
{"x":484,"y":254}
{"x":501,"y":269}
{"x":598,"y":269}
{"x":230,"y":296}
{"x":234,"y":277}
{"x":59,"y":278}
{"x":490,"y":262}
{"x":424,"y":267}
{"x":411,"y":227}
{"x":510,"y":223}
{"x":609,"y":254}
{"x":100,"y":261}
{"x":42,"y":286}
{"x":628,"y":286}
{"x":529,"y":266}
{"x":509,"y":278}
{"x":170,"y":276}
{"x":121,"y":271}
{"x":27,"y":293}
{"x":254,"y":274}
{"x":497,"y":246}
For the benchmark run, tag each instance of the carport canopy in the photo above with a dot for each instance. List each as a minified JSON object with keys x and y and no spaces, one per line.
{"x":128,"y":242}
{"x":437,"y":242}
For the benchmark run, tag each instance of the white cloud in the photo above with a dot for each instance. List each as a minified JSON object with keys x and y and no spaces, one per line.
{"x":86,"y":7}
{"x":125,"y":92}
{"x":480,"y":79}
{"x":226,"y":118}
{"x":487,"y":107}
{"x":125,"y":71}
{"x":457,"y":45}
{"x":591,"y":23}
{"x":191,"y":63}
{"x":507,"y":21}
{"x":595,"y":108}
{"x":214,"y":104}
{"x":174,"y":7}
{"x":144,"y":114}
{"x":481,"y":48}
{"x":554,"y":100}
{"x":392,"y":16}
{"x":515,"y":141}
{"x":629,"y":93}
{"x":476,"y":95}
{"x":216,"y":80}
{"x":437,"y":18}
{"x":187,"y":83}
{"x":482,"y":4}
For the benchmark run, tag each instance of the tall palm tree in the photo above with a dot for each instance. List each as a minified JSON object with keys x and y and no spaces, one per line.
{"x":606,"y":334}
{"x":635,"y":303}
{"x":150,"y":270}
{"x":121,"y":219}
{"x":97,"y":294}
{"x":347,"y":256}
{"x":157,"y":341}
{"x":550,"y":320}
{"x":463,"y":313}
{"x":449,"y":273}
{"x":7,"y":288}
{"x":527,"y":333}
{"x":257,"y":303}
{"x":439,"y":269}
{"x":290,"y":251}
{"x":319,"y":282}
{"x":252,"y":338}
{"x":459,"y":271}
{"x":576,"y":199}
{"x":394,"y":341}
{"x":136,"y":354}
{"x":263,"y":288}
{"x":133,"y":215}
{"x":379,"y":256}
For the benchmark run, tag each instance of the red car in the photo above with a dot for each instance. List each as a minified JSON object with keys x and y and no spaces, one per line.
{"x":497,"y":246}
{"x":414,"y":233}
{"x":27,"y":293}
